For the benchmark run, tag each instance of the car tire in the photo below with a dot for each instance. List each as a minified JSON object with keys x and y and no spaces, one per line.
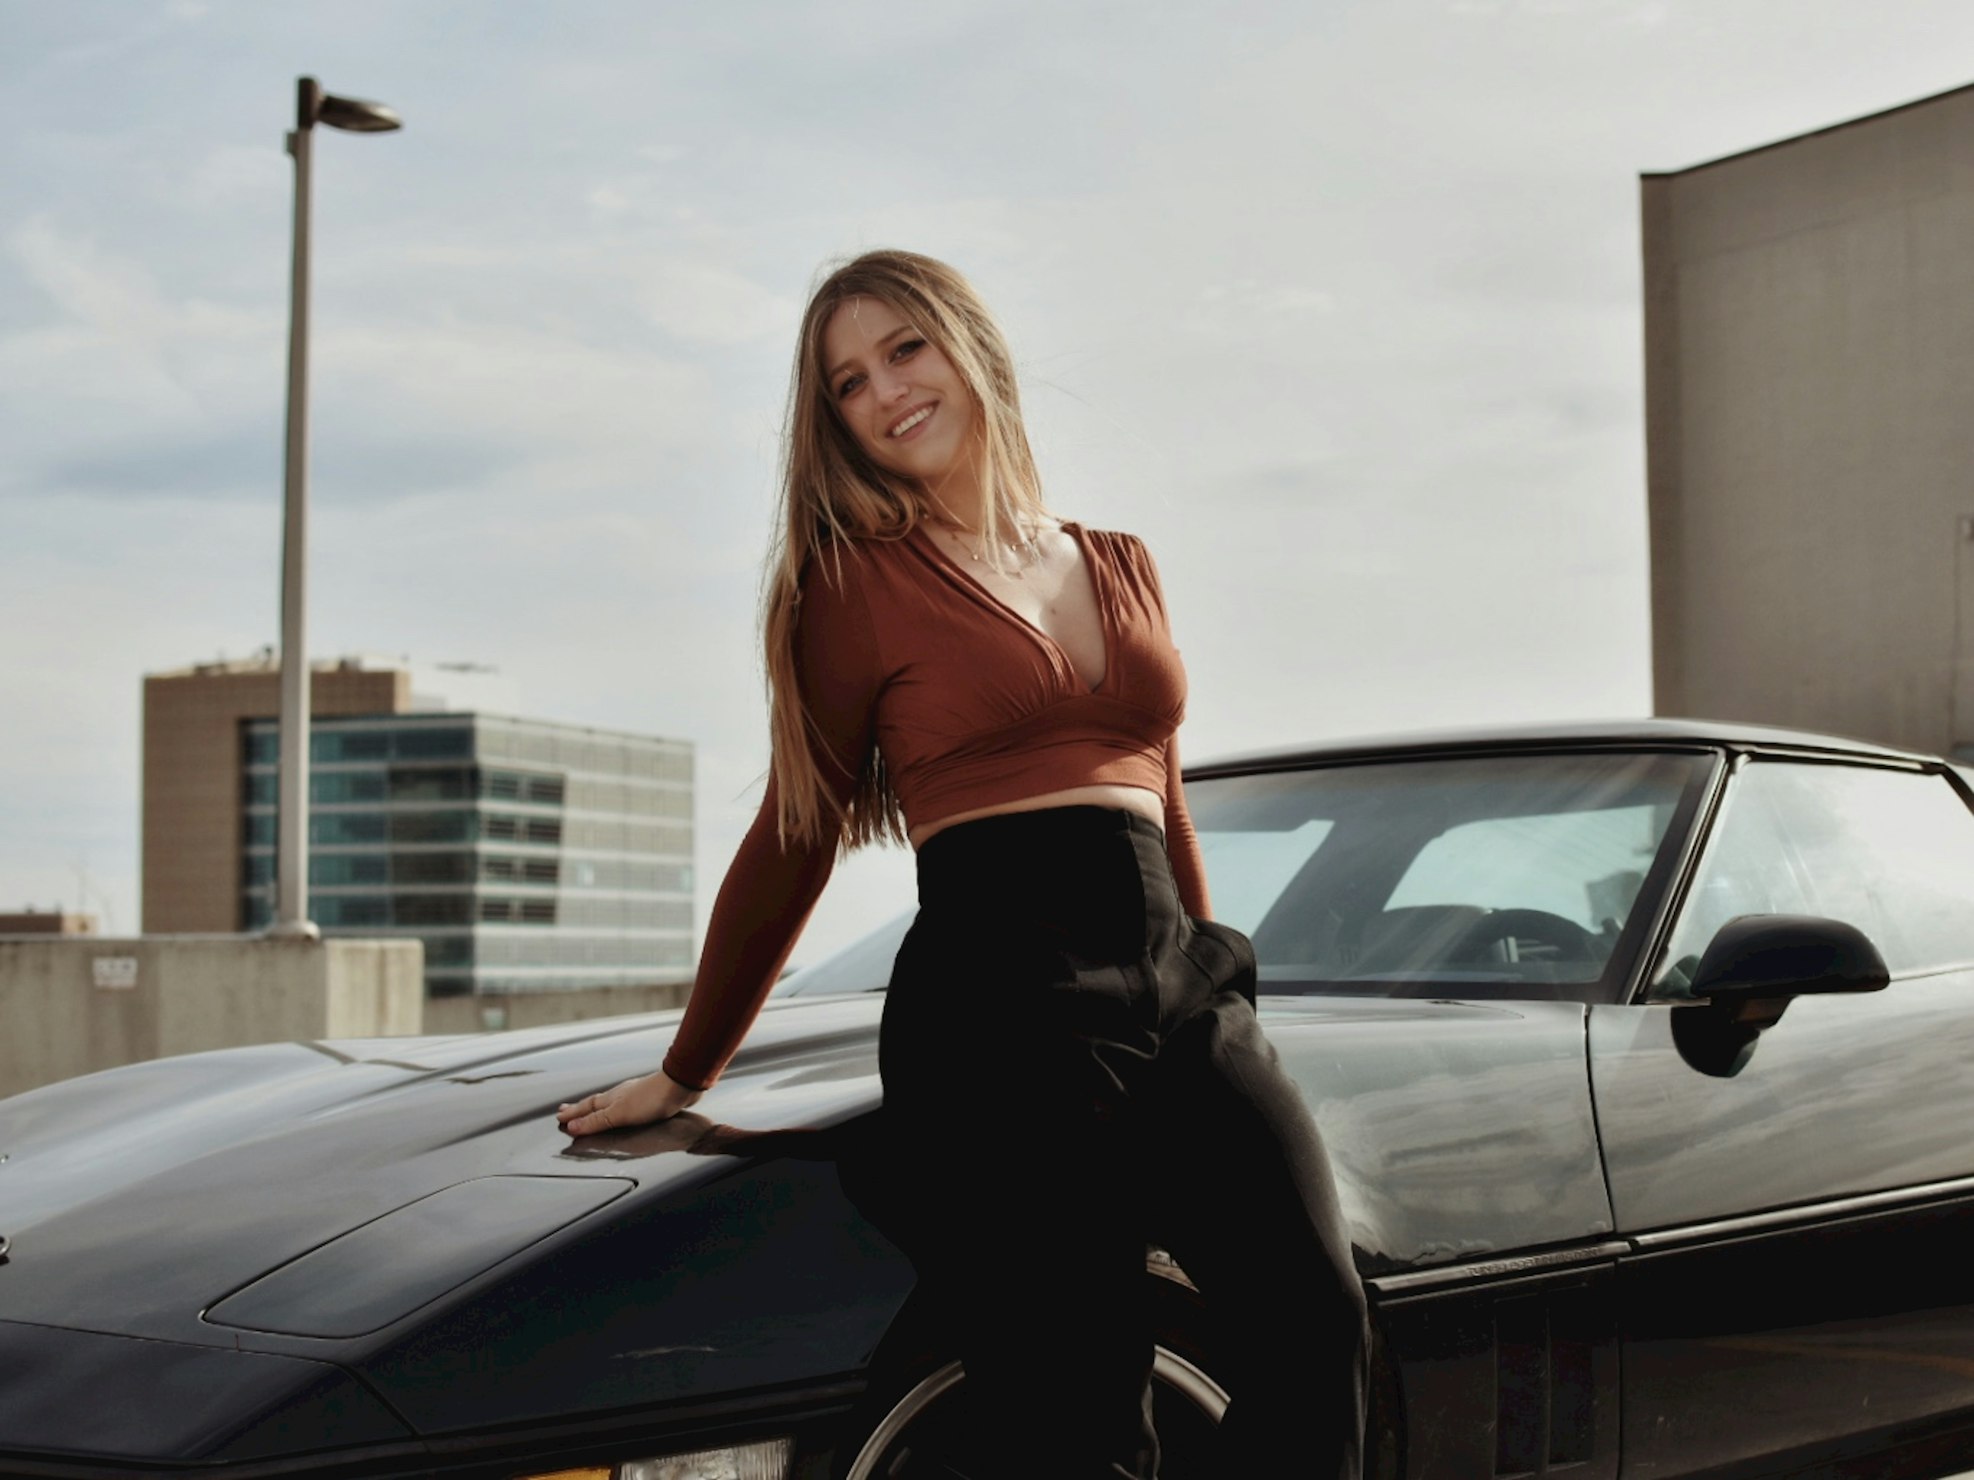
{"x":897,"y":1423}
{"x":896,"y":1433}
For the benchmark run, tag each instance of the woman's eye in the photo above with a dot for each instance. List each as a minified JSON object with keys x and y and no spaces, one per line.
{"x":848,"y":386}
{"x":907,"y":349}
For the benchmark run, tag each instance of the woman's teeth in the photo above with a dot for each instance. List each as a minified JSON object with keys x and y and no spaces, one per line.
{"x":911,"y":421}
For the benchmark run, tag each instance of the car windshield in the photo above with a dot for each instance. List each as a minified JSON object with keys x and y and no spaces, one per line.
{"x":1483,"y":876}
{"x":1490,"y":876}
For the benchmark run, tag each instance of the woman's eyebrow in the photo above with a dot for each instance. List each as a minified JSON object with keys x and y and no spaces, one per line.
{"x":901,"y":329}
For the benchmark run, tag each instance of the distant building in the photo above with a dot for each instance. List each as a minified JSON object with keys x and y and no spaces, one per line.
{"x":46,"y":922}
{"x":1809,"y":386}
{"x":525,"y":855}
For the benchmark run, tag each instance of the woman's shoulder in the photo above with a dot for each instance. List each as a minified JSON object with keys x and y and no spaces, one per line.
{"x":847,"y":578}
{"x":1120,"y":545}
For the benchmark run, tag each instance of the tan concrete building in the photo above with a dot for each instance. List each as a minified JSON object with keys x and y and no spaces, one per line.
{"x":194,"y":805}
{"x":1809,"y":379}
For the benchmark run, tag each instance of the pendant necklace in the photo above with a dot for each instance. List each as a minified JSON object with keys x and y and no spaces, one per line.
{"x":1023,"y":549}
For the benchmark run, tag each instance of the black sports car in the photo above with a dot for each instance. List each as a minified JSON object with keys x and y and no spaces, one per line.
{"x":1641,"y":1050}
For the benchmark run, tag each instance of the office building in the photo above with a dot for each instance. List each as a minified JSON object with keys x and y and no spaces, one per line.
{"x":525,"y":855}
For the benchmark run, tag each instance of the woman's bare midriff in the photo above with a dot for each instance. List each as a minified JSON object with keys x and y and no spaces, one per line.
{"x":1145,"y":802}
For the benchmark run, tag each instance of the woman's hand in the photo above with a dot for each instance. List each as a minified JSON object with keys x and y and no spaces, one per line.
{"x":640,"y":1101}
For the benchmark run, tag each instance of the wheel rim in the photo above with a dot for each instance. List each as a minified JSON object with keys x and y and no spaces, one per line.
{"x":1181,"y":1376}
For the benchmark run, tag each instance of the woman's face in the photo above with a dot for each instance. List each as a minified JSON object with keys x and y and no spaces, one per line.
{"x":900,"y":397}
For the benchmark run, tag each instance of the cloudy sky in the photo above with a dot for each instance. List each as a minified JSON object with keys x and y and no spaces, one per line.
{"x":1336,"y":304}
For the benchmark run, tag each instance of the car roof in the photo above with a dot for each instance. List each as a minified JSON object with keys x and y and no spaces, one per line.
{"x":1597,"y":733}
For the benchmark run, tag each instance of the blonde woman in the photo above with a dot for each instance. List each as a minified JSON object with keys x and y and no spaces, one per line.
{"x":1069,"y":1051}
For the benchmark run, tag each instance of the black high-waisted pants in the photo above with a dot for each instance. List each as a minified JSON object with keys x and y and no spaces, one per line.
{"x":1072,"y":1069}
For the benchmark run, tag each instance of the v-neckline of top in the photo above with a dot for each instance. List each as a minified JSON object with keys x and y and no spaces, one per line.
{"x":1077,"y":533}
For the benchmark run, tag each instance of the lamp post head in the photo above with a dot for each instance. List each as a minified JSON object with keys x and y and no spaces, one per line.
{"x":358,"y":116}
{"x":313,"y":105}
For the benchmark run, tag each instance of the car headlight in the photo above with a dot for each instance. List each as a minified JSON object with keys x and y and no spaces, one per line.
{"x":766,"y":1460}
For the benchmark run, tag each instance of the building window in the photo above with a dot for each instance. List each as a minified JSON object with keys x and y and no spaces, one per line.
{"x":350,"y":909}
{"x":334,"y":787}
{"x":349,"y":745}
{"x":435,"y":909}
{"x":422,"y":743}
{"x":432,"y":868}
{"x":432,"y":827}
{"x":347,"y":868}
{"x":334,"y":828}
{"x":431,"y":784}
{"x":448,"y":950}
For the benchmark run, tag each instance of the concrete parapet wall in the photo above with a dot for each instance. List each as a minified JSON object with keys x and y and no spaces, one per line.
{"x":533,"y":1009}
{"x":73,"y":1006}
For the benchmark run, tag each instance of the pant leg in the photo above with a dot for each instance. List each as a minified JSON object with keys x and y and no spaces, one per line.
{"x":1006,"y":1067}
{"x":1247,"y":1205}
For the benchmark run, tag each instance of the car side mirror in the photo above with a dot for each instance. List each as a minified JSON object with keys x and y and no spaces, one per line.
{"x":1754,"y":967}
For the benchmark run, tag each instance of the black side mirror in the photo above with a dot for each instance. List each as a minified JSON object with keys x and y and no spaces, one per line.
{"x":1751,"y":971}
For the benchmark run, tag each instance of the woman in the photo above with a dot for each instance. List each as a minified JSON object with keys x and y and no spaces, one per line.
{"x":1069,"y":1051}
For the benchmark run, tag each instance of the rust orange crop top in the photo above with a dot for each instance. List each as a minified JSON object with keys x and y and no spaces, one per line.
{"x":970,"y":705}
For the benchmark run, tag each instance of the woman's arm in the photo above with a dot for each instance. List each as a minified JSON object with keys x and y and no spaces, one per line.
{"x":758,"y":915}
{"x":1182,"y":842}
{"x":769,"y":891}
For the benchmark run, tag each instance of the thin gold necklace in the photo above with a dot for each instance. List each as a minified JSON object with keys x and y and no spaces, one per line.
{"x":1024,"y":549}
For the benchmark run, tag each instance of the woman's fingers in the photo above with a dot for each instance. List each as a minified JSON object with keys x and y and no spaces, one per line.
{"x":634,"y":1102}
{"x":578,"y":1116}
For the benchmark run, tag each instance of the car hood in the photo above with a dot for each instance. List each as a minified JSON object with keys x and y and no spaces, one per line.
{"x":136,"y":1198}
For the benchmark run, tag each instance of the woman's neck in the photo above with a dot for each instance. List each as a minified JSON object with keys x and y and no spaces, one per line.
{"x":958,"y":499}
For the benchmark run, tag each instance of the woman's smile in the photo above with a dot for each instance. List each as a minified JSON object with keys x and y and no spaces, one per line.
{"x":909,"y":423}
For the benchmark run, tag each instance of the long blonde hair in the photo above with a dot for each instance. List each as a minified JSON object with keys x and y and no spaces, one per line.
{"x":833,"y":493}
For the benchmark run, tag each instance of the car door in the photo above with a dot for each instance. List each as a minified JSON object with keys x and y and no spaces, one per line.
{"x":1800,"y":1283}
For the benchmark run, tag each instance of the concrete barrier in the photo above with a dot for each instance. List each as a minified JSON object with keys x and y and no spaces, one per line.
{"x":77,"y":1004}
{"x":532,"y":1009}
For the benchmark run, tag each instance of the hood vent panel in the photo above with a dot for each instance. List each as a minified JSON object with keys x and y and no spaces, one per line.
{"x":385,"y":1269}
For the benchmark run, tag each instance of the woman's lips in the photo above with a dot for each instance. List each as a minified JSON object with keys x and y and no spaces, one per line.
{"x":913,"y":422}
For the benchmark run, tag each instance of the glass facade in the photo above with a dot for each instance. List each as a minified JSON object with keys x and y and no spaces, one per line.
{"x":526,"y":856}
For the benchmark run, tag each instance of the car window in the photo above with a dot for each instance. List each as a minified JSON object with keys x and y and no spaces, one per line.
{"x":1493,"y":876}
{"x":1585,"y":866}
{"x":1891,"y":852}
{"x":862,"y":966}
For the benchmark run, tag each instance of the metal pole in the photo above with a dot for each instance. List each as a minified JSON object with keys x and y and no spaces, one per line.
{"x":291,"y":851}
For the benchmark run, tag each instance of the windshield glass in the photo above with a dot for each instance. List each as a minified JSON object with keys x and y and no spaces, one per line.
{"x":1494,"y":876}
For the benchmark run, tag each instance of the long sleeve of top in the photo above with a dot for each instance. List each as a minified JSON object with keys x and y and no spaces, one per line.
{"x":769,"y":892}
{"x":1182,"y":842}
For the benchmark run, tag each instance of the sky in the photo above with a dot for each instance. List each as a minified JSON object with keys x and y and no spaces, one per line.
{"x":1336,"y":305}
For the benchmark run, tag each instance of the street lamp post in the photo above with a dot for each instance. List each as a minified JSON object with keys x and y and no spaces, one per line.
{"x":312,"y":106}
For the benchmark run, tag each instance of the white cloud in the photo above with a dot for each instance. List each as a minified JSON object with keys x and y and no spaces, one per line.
{"x":704,"y":303}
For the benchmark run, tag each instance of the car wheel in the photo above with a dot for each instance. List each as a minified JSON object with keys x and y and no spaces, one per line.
{"x":913,"y":1440}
